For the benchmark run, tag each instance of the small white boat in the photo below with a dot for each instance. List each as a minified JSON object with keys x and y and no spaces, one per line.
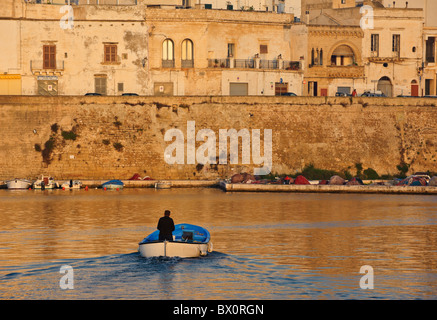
{"x":162,"y":185}
{"x":45,"y":183}
{"x":189,"y":241}
{"x":72,"y":184}
{"x":18,"y":184}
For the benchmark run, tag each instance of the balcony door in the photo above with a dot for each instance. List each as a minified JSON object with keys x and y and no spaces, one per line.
{"x":49,"y":56}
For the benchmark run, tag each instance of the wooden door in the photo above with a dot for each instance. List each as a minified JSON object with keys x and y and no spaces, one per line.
{"x":414,"y":90}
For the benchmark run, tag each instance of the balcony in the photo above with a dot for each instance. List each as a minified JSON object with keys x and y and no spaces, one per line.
{"x":219,"y":63}
{"x":292,"y":65}
{"x":37,"y":67}
{"x":187,"y":63}
{"x":345,"y":71}
{"x":168,"y":63}
{"x":268,"y":64}
{"x":244,"y":63}
{"x":255,"y":63}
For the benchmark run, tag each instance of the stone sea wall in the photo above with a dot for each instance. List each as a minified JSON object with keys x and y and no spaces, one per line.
{"x":115,"y":137}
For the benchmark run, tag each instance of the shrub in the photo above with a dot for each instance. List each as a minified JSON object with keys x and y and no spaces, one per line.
{"x":371,"y":174}
{"x":312,"y":173}
{"x":403,"y":169}
{"x":54,"y":127}
{"x":69,"y":135}
{"x":359,"y":167}
{"x":118,"y":146}
{"x":46,"y":153}
{"x":117,"y":123}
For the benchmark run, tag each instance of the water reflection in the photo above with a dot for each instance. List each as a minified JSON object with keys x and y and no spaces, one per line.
{"x":278,"y":246}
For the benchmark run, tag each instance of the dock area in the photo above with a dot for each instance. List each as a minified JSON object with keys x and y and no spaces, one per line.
{"x":226,"y":186}
{"x":151,"y":183}
{"x":316,"y":188}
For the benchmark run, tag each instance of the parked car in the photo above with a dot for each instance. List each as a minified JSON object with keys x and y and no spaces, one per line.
{"x":290,"y":94}
{"x":423,"y":175}
{"x":342,"y":94}
{"x":129,"y":94}
{"x":93,"y":94}
{"x":373,"y":94}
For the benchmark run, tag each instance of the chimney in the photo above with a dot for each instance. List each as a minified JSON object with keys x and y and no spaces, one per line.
{"x":307,"y":14}
{"x":394,"y":4}
{"x":406,"y":4}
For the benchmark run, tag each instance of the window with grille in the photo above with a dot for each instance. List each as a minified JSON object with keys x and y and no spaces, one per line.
{"x":120,"y":86}
{"x":167,"y":54}
{"x":187,"y":54}
{"x":100,"y":85}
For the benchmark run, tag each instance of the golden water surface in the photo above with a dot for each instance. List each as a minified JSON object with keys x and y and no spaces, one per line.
{"x":266,"y":245}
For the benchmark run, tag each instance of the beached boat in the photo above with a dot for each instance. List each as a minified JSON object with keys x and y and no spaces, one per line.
{"x":72,"y":184}
{"x":18,"y":184}
{"x":189,"y":241}
{"x":113,"y":184}
{"x":45,"y":182}
{"x":162,"y":185}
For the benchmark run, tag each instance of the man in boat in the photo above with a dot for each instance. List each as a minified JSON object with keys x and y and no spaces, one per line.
{"x":166,"y":227}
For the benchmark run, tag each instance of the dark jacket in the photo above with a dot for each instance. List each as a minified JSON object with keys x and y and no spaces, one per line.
{"x":165,"y":227}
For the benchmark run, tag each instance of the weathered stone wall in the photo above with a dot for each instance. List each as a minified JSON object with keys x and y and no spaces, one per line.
{"x":331,"y":133}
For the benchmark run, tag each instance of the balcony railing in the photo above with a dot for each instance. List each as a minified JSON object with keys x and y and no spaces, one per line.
{"x":187,"y":63}
{"x":268,"y":64}
{"x":168,"y":63}
{"x":291,"y":65}
{"x":244,"y":63}
{"x":53,"y":66}
{"x":345,"y":71}
{"x":255,"y":63}
{"x":219,"y":63}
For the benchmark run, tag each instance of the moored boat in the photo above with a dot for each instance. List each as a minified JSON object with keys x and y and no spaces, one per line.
{"x":45,"y":182}
{"x":189,"y":241}
{"x":113,"y":184}
{"x":162,"y":185}
{"x":72,"y":184}
{"x":18,"y":184}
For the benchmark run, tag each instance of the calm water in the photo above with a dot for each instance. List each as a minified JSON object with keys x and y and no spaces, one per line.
{"x":266,"y":246}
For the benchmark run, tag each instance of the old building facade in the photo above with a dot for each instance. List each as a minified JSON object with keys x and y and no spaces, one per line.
{"x":119,"y":49}
{"x":114,"y":47}
{"x":382,"y":49}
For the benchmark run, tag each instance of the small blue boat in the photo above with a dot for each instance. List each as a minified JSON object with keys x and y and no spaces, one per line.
{"x":113,"y":184}
{"x":189,"y":241}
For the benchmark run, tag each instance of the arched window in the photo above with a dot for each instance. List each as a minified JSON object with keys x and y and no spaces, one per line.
{"x":321,"y":57}
{"x":343,"y":56}
{"x":167,"y":54}
{"x":187,"y":54}
{"x":312,"y":56}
